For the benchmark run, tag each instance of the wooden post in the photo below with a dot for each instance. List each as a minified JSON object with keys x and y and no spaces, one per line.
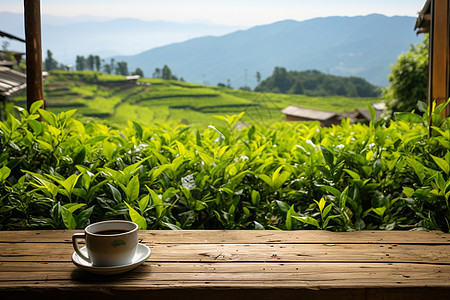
{"x":33,"y":51}
{"x":440,"y":52}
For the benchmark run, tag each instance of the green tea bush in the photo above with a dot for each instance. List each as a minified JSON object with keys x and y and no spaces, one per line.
{"x":62,"y":173}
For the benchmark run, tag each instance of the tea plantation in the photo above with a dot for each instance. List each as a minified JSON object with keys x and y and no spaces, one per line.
{"x":113,"y":99}
{"x":64,"y":172}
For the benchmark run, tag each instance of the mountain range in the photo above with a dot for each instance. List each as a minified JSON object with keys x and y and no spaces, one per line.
{"x":85,"y":35}
{"x":363,"y":46}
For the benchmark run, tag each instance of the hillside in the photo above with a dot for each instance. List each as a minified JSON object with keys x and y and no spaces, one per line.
{"x":316,"y":83}
{"x":363,"y":46}
{"x":149,"y":101}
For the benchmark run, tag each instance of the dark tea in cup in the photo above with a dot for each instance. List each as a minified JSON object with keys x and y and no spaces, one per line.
{"x":108,"y":243}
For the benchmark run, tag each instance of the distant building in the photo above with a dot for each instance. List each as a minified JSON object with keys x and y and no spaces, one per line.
{"x":11,"y":82}
{"x":326,"y":118}
{"x":434,"y":18}
{"x":363,"y":115}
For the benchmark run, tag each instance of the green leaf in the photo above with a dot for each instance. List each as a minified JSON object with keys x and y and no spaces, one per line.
{"x":143,"y":203}
{"x":281,"y":179}
{"x":379,"y":211}
{"x":408,"y":191}
{"x":72,"y":207}
{"x":136,"y":217}
{"x":208,"y":160}
{"x":46,"y":185}
{"x":36,"y":126}
{"x":132,"y":190}
{"x":79,"y":155}
{"x":45,"y":145}
{"x":308,"y":220}
{"x":96,"y":139}
{"x":256,"y":198}
{"x":157,"y":202}
{"x":327,"y":220}
{"x":4,"y":173}
{"x":137,"y":127}
{"x":82,"y":219}
{"x":321,"y":204}
{"x":231,"y":209}
{"x":116,"y":193}
{"x":343,"y":198}
{"x":327,"y":210}
{"x":266,"y":179}
{"x":332,"y":190}
{"x":70,"y":182}
{"x":48,"y":116}
{"x":289,"y":218}
{"x":108,"y":150}
{"x":327,"y":155}
{"x":171,"y":226}
{"x":353,"y":174}
{"x":36,"y":105}
{"x":251,"y":132}
{"x":408,"y":117}
{"x":284,"y":207}
{"x":442,"y":163}
{"x":258,"y":226}
{"x":372,"y":113}
{"x":419,"y":169}
{"x":68,"y":219}
{"x":422,"y":106}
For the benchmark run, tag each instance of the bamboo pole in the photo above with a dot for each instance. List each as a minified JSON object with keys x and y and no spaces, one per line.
{"x":33,"y":51}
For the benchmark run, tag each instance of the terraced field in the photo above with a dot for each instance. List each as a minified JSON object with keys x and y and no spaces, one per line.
{"x":149,"y":101}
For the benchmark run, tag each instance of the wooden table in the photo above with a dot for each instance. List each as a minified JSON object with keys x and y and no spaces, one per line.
{"x":237,"y":265}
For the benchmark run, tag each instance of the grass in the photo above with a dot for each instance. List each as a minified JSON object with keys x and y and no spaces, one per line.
{"x":113,"y":99}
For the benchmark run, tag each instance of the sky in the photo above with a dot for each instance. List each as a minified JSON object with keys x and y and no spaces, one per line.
{"x":226,"y":12}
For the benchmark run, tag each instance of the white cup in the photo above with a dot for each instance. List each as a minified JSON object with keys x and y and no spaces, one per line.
{"x":108,"y":243}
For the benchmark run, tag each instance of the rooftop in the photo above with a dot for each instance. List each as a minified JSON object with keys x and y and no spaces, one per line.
{"x":308,"y":113}
{"x":11,"y":81}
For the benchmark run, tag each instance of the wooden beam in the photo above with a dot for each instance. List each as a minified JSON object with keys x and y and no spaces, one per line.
{"x":439,"y":56}
{"x":33,"y":51}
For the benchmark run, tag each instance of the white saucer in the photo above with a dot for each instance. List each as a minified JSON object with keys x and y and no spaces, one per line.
{"x":142,"y":253}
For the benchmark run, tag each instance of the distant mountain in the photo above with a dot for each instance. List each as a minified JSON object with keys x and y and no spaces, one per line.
{"x":84,"y":35}
{"x":363,"y":46}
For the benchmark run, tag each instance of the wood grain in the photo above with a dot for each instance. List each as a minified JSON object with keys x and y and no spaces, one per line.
{"x":242,"y":264}
{"x":246,"y":236}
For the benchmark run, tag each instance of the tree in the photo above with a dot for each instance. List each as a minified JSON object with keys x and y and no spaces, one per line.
{"x":112,"y":65}
{"x":98,"y":62}
{"x":157,"y":73}
{"x":297,"y":88}
{"x":258,"y":77}
{"x":139,"y":72}
{"x":122,"y":68}
{"x":90,"y":62}
{"x":107,"y":68}
{"x":50,"y":63}
{"x":80,"y":63}
{"x":408,"y":80}
{"x":166,"y":73}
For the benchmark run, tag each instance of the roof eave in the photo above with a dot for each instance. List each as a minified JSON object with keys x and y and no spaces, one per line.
{"x":423,"y":20}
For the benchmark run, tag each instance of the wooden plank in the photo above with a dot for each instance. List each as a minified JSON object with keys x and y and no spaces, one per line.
{"x":246,"y":236}
{"x":325,"y":274}
{"x":237,"y":264}
{"x":250,"y":252}
{"x":219,"y":293}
